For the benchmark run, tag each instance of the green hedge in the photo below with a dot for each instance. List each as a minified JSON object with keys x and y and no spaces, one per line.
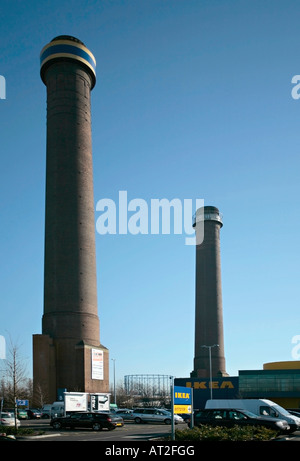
{"x":236,"y":433}
{"x":11,"y":430}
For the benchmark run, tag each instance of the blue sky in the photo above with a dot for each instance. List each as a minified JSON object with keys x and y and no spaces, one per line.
{"x":193,"y":100}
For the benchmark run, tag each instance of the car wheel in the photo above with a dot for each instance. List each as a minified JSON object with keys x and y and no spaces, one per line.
{"x":97,"y":427}
{"x":167,"y":421}
{"x":111,"y":428}
{"x":138,"y":420}
{"x":56,"y":425}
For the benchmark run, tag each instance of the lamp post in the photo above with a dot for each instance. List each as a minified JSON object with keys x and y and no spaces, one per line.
{"x":210,"y":370}
{"x":114,"y":360}
{"x":172,"y":408}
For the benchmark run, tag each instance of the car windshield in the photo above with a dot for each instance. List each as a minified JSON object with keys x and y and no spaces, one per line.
{"x":6,"y":415}
{"x":281,"y":410}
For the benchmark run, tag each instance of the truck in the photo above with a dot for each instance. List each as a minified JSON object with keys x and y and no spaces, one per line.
{"x":258,"y":407}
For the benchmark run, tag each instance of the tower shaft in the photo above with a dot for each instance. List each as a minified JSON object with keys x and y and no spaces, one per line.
{"x":209,"y":337}
{"x":70,"y":287}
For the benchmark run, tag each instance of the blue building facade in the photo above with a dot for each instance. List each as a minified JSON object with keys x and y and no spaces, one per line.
{"x":277,"y":381}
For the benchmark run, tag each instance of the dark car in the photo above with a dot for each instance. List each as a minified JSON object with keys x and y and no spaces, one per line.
{"x":186,"y":417}
{"x":232,"y":417}
{"x":96,"y":421}
{"x":33,"y":413}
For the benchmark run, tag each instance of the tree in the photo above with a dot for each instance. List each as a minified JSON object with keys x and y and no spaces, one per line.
{"x":14,"y":377}
{"x":40,"y":397}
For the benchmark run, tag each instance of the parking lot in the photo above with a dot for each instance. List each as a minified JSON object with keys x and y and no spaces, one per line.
{"x":129,"y":432}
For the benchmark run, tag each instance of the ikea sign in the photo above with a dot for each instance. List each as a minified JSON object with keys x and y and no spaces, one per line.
{"x":182,"y":399}
{"x":182,"y":395}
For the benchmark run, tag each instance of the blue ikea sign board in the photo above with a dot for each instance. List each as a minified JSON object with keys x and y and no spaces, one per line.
{"x":182,"y":395}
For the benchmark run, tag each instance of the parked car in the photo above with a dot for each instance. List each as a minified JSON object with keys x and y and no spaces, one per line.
{"x":57,"y":409}
{"x":8,"y":419}
{"x":33,"y":413}
{"x":154,"y":415}
{"x":7,"y":438}
{"x":185,"y":416}
{"x":232,"y":417}
{"x":96,"y":421}
{"x":125,"y":414}
{"x":46,"y":411}
{"x":22,"y":414}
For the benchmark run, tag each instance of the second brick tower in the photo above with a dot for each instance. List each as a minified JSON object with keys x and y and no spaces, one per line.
{"x":209,"y":337}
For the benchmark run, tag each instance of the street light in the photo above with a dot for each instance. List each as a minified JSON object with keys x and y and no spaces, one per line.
{"x":210,"y":372}
{"x":114,"y":360}
{"x":172,"y":408}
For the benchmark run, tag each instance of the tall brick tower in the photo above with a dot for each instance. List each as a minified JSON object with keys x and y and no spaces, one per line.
{"x":68,"y":354}
{"x":209,"y":338}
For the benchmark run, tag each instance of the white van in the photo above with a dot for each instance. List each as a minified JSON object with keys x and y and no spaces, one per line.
{"x":46,"y":410}
{"x":258,"y":407}
{"x":57,"y":409}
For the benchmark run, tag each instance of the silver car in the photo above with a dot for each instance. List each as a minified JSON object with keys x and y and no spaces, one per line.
{"x":154,"y":415}
{"x":125,"y":414}
{"x":8,"y":419}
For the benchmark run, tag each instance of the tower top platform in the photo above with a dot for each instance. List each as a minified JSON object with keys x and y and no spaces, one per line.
{"x":67,"y":48}
{"x":207,"y":213}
